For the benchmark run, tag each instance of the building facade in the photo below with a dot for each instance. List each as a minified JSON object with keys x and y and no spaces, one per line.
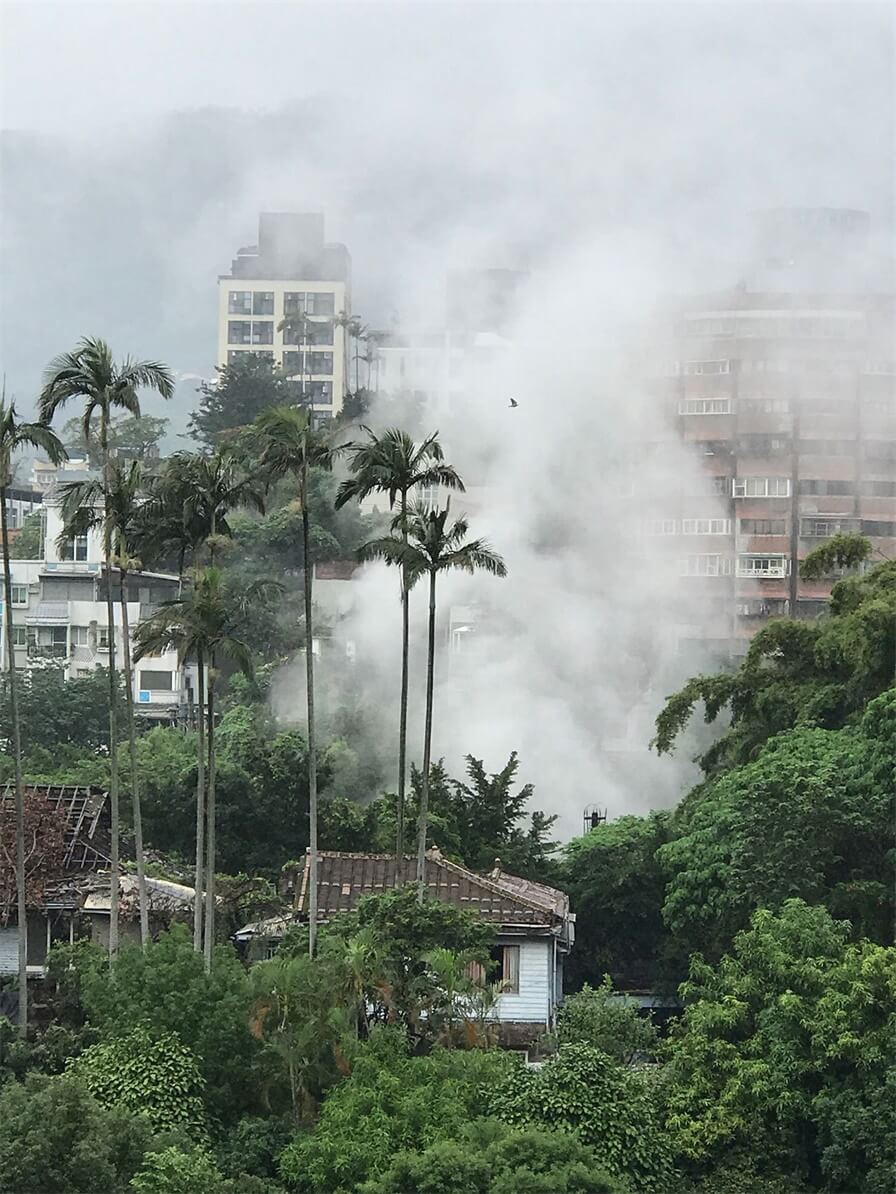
{"x":60,"y":619}
{"x":291,"y":271}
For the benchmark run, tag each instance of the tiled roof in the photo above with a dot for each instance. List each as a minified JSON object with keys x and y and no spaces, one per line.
{"x":86,"y":828}
{"x":344,"y":879}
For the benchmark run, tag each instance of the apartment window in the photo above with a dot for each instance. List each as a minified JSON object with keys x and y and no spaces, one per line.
{"x":810,"y":609}
{"x":878,"y":488}
{"x":761,"y":487}
{"x":878,"y":530}
{"x":234,"y":355}
{"x":154,"y":681}
{"x":320,"y":303}
{"x":762,"y":566}
{"x":880,"y":450}
{"x":763,"y":609}
{"x":827,"y":447}
{"x":321,"y":362}
{"x":80,"y":636}
{"x":263,"y":331}
{"x":292,"y":361}
{"x":19,"y":594}
{"x":765,"y":406}
{"x":705,"y":406}
{"x":704,"y":368}
{"x":813,"y":488}
{"x":706,"y":565}
{"x":758,"y":365}
{"x":102,"y":638}
{"x":763,"y":445}
{"x":701,"y":325}
{"x":881,"y":368}
{"x":320,"y":333}
{"x":823,"y":528}
{"x":293,"y":302}
{"x":75,"y":549}
{"x":706,"y":526}
{"x":20,"y":636}
{"x":239,"y":331}
{"x":763,"y":526}
{"x":263,"y":302}
{"x":506,"y":968}
{"x":239,"y":302}
{"x":660,"y":526}
{"x":321,"y":391}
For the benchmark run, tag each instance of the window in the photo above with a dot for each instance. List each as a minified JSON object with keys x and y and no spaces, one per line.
{"x":765,"y":405}
{"x":705,"y":406}
{"x":102,"y":638}
{"x":706,"y":565}
{"x":763,"y":445}
{"x":293,"y":302}
{"x":320,"y":303}
{"x":881,"y":368}
{"x":234,"y":355}
{"x":763,"y":609}
{"x":263,"y":331}
{"x":320,"y":362}
{"x":239,"y":302}
{"x":761,"y":487}
{"x":881,"y":530}
{"x":702,"y":368}
{"x":823,"y":528}
{"x":80,"y":636}
{"x":19,"y":595}
{"x":762,"y":566}
{"x":878,"y":488}
{"x":20,"y":636}
{"x":827,"y":447}
{"x":810,"y":609}
{"x":827,"y":488}
{"x":506,"y":972}
{"x":239,"y":331}
{"x":12,"y":515}
{"x":152,"y":681}
{"x":660,"y":526}
{"x":263,"y":302}
{"x":321,"y":392}
{"x":320,"y":333}
{"x":292,"y":362}
{"x":880,"y":450}
{"x":75,"y":549}
{"x":706,"y":526}
{"x":763,"y":526}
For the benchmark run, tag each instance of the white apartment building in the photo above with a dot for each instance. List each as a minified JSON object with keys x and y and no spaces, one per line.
{"x":290,"y":271}
{"x":59,"y":616}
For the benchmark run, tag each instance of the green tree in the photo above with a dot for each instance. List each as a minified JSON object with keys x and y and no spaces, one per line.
{"x":237,"y":397}
{"x":91,"y":373}
{"x":290,"y":446}
{"x":840,"y":552}
{"x":175,"y":1171}
{"x":205,"y":624}
{"x":491,"y":1158}
{"x":797,"y":673}
{"x":146,"y":1074}
{"x":55,"y":1138}
{"x":389,"y":1102}
{"x":167,"y":985}
{"x":393,"y":464}
{"x":617,"y":887}
{"x":785,"y":1055}
{"x":811,"y":817}
{"x":426,"y":546}
{"x":611,"y":1107}
{"x":14,"y":435}
{"x":599,"y":1017}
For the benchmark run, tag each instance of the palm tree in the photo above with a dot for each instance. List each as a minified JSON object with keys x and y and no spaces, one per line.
{"x":432,"y":545}
{"x":15,"y":435}
{"x":291,"y":446}
{"x":205,"y":488}
{"x":354,"y":330}
{"x":393,"y":464}
{"x":91,"y":373}
{"x":82,"y":502}
{"x":204,"y":623}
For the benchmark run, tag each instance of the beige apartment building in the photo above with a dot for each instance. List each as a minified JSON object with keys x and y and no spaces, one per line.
{"x":291,"y":271}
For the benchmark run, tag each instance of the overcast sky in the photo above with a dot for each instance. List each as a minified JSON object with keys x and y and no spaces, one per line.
{"x":140,"y":140}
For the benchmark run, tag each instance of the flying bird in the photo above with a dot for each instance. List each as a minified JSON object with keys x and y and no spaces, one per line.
{"x":513,"y":403}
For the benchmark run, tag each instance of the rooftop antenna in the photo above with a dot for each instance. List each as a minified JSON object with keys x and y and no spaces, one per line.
{"x":593,"y":817}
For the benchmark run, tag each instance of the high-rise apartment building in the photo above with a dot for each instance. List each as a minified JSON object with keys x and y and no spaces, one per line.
{"x":291,"y":271}
{"x":786,"y":388}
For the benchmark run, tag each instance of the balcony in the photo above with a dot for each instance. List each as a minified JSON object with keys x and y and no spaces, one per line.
{"x":762,"y":567}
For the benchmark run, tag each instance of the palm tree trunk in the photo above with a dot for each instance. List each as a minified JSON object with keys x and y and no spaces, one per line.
{"x":113,"y":688}
{"x":210,"y":814}
{"x":403,"y":711}
{"x":309,"y":677}
{"x":21,"y":903}
{"x":200,"y":803}
{"x":132,"y":754}
{"x":427,"y":739}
